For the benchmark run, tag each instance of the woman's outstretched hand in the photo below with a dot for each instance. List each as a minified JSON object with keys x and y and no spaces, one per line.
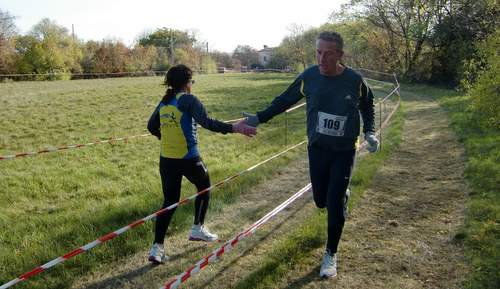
{"x":243,"y":128}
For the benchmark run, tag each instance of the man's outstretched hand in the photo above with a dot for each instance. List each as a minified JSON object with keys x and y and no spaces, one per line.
{"x":251,"y":119}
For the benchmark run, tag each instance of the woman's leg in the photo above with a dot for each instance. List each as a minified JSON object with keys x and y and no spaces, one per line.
{"x":197,"y":174}
{"x":171,"y":178}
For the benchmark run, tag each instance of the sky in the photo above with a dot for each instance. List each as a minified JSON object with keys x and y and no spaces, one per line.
{"x":224,"y":24}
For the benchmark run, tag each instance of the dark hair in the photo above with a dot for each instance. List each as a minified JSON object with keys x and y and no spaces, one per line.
{"x":176,"y":78}
{"x":333,"y":37}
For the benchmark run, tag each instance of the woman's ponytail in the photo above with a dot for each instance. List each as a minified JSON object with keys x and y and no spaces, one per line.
{"x":169,"y":94}
{"x":176,"y":79}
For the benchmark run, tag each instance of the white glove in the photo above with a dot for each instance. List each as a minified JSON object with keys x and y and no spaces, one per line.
{"x":251,"y":119}
{"x":372,"y":142}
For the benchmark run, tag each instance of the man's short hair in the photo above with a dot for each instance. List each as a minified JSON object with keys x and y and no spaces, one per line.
{"x":333,"y":37}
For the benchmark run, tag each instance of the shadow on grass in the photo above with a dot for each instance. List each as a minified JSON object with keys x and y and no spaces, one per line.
{"x":130,"y":276}
{"x":117,"y":281}
{"x":311,"y":277}
{"x":249,"y":250}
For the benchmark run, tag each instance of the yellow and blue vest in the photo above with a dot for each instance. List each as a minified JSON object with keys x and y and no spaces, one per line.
{"x":175,"y":121}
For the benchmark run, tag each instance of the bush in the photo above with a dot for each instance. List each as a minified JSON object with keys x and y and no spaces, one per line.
{"x":485,"y":93}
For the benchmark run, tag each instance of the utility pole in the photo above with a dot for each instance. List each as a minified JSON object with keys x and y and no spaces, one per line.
{"x":73,"y":31}
{"x":172,"y":50}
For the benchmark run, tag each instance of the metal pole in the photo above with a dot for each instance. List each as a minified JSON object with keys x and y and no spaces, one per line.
{"x":380,"y":123}
{"x":286,"y":128}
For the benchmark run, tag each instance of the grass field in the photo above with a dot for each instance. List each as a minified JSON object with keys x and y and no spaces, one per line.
{"x":481,"y":232}
{"x":53,"y":203}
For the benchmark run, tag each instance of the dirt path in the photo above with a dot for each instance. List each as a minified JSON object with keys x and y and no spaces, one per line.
{"x":136,"y":272}
{"x":400,"y":235}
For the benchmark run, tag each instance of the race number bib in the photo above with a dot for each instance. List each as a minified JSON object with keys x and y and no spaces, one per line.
{"x":331,"y":124}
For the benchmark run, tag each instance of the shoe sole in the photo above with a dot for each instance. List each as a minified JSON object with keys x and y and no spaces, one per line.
{"x":154,"y":261}
{"x":201,"y":240}
{"x":325,"y":276}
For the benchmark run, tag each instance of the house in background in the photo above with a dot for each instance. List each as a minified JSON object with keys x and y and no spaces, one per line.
{"x":265,"y":55}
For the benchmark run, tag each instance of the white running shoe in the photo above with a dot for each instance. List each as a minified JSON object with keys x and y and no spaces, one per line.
{"x":200,"y":233}
{"x":157,"y":254}
{"x":328,"y":265}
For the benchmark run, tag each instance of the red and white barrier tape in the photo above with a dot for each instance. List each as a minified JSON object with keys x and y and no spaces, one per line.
{"x":295,"y":107}
{"x":120,"y":231}
{"x":73,"y":146}
{"x":77,"y":146}
{"x":229,"y":245}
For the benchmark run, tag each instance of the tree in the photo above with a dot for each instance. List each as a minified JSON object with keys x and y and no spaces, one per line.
{"x":48,"y":48}
{"x":170,"y":39}
{"x":223,"y":59}
{"x":8,"y":28}
{"x":143,"y":58}
{"x":279,"y":59}
{"x":8,"y":32}
{"x":111,"y":56}
{"x":486,"y":91}
{"x":246,"y":55}
{"x":455,"y":37}
{"x":407,"y":24}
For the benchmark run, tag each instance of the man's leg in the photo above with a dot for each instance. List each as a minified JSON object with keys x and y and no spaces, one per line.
{"x":319,"y":173}
{"x":339,"y":177}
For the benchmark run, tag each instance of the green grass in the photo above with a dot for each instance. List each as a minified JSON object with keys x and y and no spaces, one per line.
{"x":301,"y":242}
{"x":53,"y":203}
{"x":481,"y":232}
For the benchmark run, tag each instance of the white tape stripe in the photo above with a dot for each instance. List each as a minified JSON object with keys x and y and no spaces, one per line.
{"x":122,"y":230}
{"x":91,"y":245}
{"x":53,"y":263}
{"x":234,"y":120}
{"x":275,"y":156}
{"x":390,"y":94}
{"x":212,"y":258}
{"x":176,"y":284}
{"x":295,"y":107}
{"x":11,"y":283}
{"x":145,"y":219}
{"x":195,"y":270}
{"x":376,"y":80}
{"x":172,"y":206}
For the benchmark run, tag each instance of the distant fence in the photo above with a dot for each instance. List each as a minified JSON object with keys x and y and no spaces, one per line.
{"x":367,"y":73}
{"x":97,"y":75}
{"x":74,"y":76}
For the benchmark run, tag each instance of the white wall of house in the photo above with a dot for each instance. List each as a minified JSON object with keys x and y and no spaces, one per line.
{"x":265,"y":55}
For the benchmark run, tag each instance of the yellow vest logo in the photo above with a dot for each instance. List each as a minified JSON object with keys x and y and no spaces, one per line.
{"x":173,"y":141}
{"x":169,"y":119}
